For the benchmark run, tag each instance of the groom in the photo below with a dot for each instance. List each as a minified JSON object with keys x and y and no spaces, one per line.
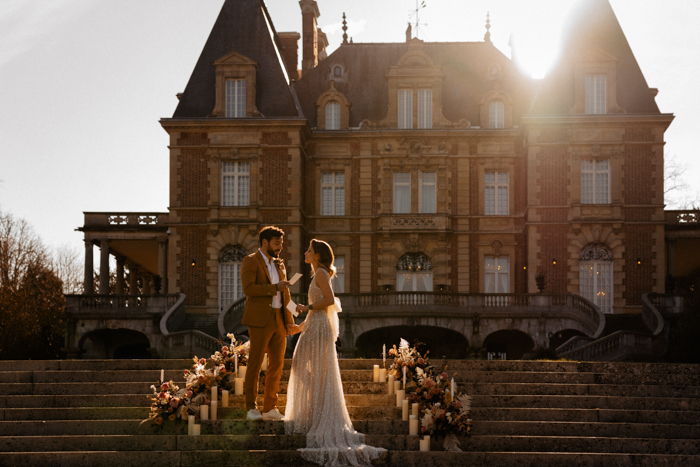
{"x":265,"y":285}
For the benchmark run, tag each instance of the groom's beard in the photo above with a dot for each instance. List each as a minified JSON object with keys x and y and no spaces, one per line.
{"x":273,"y":253}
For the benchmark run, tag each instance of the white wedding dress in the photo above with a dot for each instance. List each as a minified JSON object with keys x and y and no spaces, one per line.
{"x":315,"y":400}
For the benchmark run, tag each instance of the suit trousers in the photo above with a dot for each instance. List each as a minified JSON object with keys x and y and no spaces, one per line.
{"x":271,"y":338}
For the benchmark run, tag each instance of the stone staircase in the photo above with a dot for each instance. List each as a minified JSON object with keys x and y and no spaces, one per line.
{"x":207,"y":323}
{"x":87,"y":413}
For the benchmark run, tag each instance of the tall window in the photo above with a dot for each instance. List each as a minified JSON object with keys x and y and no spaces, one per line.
{"x":496,"y":195}
{"x":414,"y":273}
{"x":230,"y":288}
{"x":425,"y":108}
{"x":235,"y":183}
{"x":428,"y":192}
{"x":235,"y":98}
{"x":595,"y":181}
{"x":595,"y":95}
{"x":405,"y":108}
{"x":496,"y":119}
{"x":402,"y":192}
{"x":332,"y":116}
{"x":596,"y":276}
{"x":333,"y":193}
{"x":496,"y":274}
{"x":338,"y":280}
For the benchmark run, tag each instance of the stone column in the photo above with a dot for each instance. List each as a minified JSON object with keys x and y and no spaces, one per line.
{"x":120,"y":276}
{"x":671,"y":257}
{"x":146,"y":285}
{"x":104,"y":267}
{"x":88,"y":281}
{"x":162,"y":265}
{"x":133,"y":277}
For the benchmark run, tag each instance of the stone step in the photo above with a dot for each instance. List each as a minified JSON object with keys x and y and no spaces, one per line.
{"x":587,"y":402}
{"x":608,"y":430}
{"x":141,"y":400}
{"x":120,"y":413}
{"x":487,"y":443}
{"x":289,"y":457}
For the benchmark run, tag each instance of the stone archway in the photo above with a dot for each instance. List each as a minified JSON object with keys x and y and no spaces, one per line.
{"x":512,"y":342}
{"x":115,"y":343}
{"x":440,"y":341}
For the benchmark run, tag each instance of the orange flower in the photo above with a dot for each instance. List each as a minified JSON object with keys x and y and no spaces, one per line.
{"x":172,"y":418}
{"x":159,"y":421}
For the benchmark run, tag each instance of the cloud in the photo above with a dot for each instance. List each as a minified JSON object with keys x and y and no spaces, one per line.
{"x":25,"y":23}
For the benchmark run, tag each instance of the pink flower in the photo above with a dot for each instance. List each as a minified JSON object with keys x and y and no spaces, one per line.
{"x":164,"y":386}
{"x":161,"y":395}
{"x":458,"y":405}
{"x":224,"y":352}
{"x":202,"y":361}
{"x":174,"y":402}
{"x":189,"y":393}
{"x":421,"y":361}
{"x":444,"y":375}
{"x":187,"y":372}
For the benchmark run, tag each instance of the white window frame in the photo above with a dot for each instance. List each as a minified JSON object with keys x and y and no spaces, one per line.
{"x":405,"y":108}
{"x":235,"y":98}
{"x":596,"y":283}
{"x":497,"y":274}
{"x":229,"y":292}
{"x":425,"y":108}
{"x":596,"y":98}
{"x":595,"y":181}
{"x":332,"y":116}
{"x":402,"y":191}
{"x":427,"y":186}
{"x":496,"y":114}
{"x":235,"y":183}
{"x":338,"y":280}
{"x":496,"y":193}
{"x":332,"y":193}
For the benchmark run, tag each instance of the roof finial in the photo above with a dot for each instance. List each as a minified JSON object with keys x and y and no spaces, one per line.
{"x":345,"y":30}
{"x":487,"y":36}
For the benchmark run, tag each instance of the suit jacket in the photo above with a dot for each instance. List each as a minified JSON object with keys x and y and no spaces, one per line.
{"x":259,"y":291}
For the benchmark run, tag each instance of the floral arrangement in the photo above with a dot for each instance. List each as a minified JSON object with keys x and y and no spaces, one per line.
{"x":411,"y":358}
{"x":170,"y":402}
{"x":442,"y":413}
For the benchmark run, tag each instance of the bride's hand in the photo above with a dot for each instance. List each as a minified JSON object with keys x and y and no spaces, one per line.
{"x":301,"y":308}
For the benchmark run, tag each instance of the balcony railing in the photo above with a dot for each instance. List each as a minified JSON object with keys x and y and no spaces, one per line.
{"x":682,"y":217}
{"x":120,"y":220}
{"x":82,"y":304}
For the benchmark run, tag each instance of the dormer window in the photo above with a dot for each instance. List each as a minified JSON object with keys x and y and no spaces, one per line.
{"x":595,"y":94}
{"x":496,"y":114}
{"x":337,"y":71}
{"x":332,"y":116}
{"x":235,"y":98}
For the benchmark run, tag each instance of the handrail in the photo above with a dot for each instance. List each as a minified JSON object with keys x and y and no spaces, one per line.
{"x":186,"y":341}
{"x":651,"y":316}
{"x":232,"y":315}
{"x":608,"y":346}
{"x":173,"y":317}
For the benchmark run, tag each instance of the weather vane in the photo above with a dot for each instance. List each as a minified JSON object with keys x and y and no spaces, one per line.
{"x":414,"y":14}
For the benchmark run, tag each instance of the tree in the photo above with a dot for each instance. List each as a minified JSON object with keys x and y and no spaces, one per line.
{"x":67,"y":266}
{"x":31,"y":295}
{"x":677,"y":193}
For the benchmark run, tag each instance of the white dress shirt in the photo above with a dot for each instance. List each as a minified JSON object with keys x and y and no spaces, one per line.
{"x":274,"y":278}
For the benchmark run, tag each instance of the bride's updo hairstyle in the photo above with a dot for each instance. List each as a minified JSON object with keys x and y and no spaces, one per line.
{"x":325,"y":256}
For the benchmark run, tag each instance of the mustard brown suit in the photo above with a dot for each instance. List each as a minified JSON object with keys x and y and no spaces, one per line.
{"x":266,"y":328}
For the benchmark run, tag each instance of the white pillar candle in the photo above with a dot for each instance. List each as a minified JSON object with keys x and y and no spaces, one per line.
{"x":400,"y":396}
{"x":204,"y":412}
{"x":397,"y":386}
{"x":412,"y":425}
{"x":238,"y":386}
{"x":384,"y":355}
{"x":415,"y":408}
{"x":224,"y":398}
{"x":404,"y":409}
{"x":214,"y":406}
{"x":235,"y":363}
{"x":214,"y":393}
{"x":190,"y":425}
{"x":382,"y":375}
{"x":241,"y":371}
{"x":404,"y":377}
{"x":425,"y":443}
{"x":196,"y":430}
{"x":375,"y":373}
{"x":264,"y":364}
{"x":452,"y":389}
{"x":162,"y":376}
{"x":390,"y":390}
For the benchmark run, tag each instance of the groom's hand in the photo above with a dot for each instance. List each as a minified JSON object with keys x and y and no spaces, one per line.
{"x":292,"y":329}
{"x":281,"y":285}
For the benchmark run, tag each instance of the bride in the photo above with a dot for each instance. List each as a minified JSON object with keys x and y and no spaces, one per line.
{"x":315,"y":400}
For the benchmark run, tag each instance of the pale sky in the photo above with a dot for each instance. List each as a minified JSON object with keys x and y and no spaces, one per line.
{"x":84,"y":83}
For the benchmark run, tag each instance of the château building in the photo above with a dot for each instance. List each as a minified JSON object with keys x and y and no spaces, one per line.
{"x":463,"y":200}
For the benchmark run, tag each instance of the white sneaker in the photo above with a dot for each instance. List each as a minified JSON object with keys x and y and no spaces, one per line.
{"x":254,"y":414}
{"x":273,"y":414}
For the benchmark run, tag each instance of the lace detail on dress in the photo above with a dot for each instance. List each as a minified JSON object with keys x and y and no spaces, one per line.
{"x":315,"y":399}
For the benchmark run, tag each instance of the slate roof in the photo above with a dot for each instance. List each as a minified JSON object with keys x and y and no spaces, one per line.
{"x":243,"y":26}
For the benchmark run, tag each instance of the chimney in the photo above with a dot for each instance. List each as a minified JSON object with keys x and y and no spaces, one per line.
{"x":290,"y":53}
{"x":322,"y":44}
{"x":309,"y":32}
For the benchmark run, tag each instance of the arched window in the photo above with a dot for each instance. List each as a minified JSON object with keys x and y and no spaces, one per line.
{"x":596,"y":276}
{"x":496,"y":114}
{"x":414,"y":273}
{"x":230,"y":288}
{"x":337,"y":71}
{"x":332,"y":116}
